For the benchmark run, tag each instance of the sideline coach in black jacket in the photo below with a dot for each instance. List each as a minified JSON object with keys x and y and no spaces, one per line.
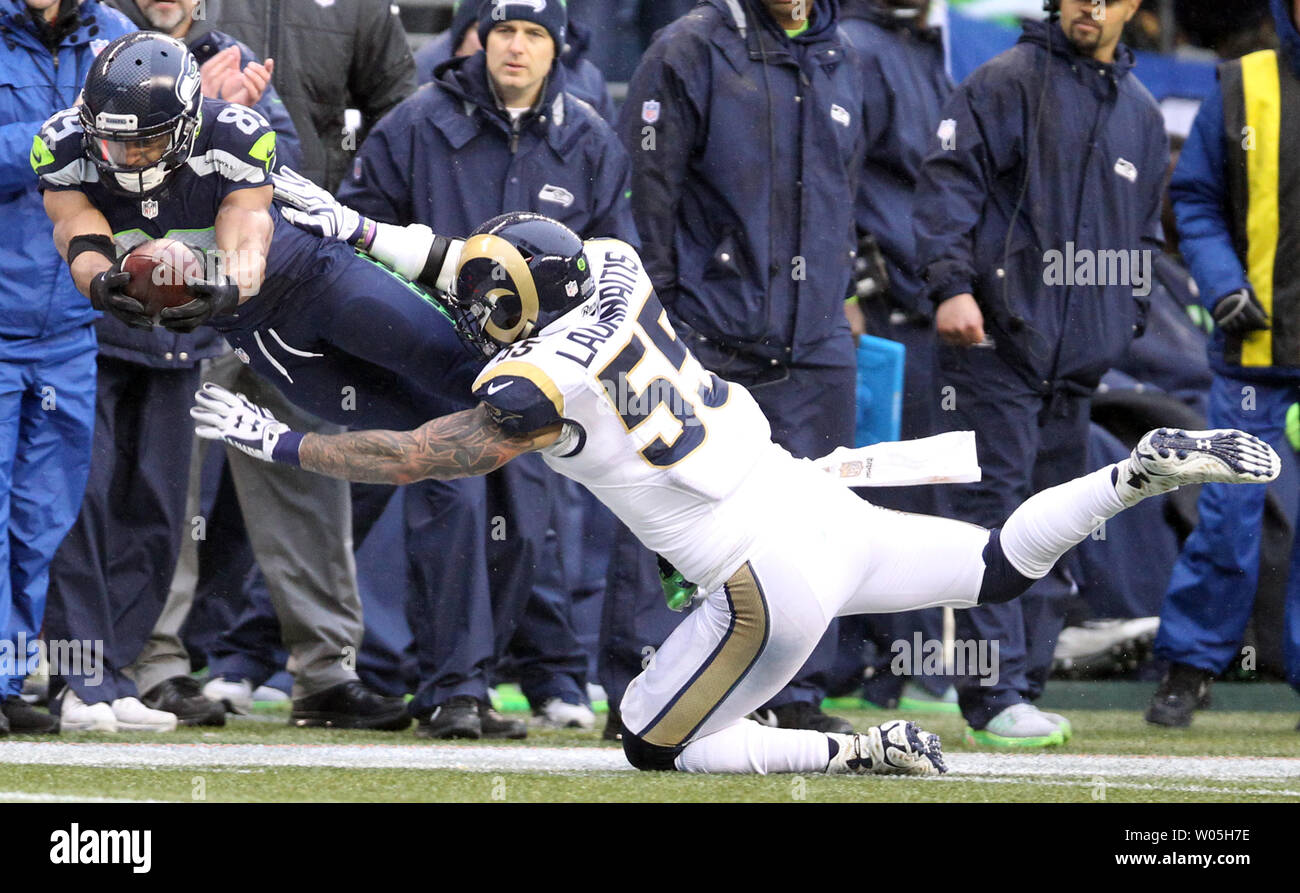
{"x":1038,"y":215}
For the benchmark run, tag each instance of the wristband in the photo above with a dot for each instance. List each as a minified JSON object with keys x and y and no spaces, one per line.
{"x":852,"y":299}
{"x":286,"y":449}
{"x":367,"y":237}
{"x":96,"y":242}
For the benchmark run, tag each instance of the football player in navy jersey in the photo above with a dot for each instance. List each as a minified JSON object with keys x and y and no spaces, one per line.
{"x":145,"y":156}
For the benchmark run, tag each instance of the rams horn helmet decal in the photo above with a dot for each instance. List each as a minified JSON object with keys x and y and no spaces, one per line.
{"x":518,"y":273}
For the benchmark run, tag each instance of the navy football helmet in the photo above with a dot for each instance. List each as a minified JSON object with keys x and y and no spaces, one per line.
{"x":518,"y":274}
{"x":140,"y":111}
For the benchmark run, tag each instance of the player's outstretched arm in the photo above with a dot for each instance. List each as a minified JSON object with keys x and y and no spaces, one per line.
{"x":463,"y":444}
{"x":244,"y":229}
{"x":415,"y":251}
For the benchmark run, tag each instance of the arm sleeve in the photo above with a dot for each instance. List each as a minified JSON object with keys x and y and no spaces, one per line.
{"x":612,"y":216}
{"x":1199,"y":192}
{"x":520,"y":397}
{"x":1153,"y":229}
{"x":660,"y":153}
{"x":382,"y":72}
{"x":379,"y":186}
{"x":981,"y":128}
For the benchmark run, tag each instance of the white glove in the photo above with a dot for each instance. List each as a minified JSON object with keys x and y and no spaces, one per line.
{"x":307,"y":206}
{"x":233,"y":418}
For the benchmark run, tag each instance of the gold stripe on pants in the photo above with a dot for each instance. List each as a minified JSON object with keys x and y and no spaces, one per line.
{"x":724,"y":668}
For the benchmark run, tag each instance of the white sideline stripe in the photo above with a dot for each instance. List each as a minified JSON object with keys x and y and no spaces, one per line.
{"x":589,"y":759}
{"x":32,"y":797}
{"x":1126,"y":785}
{"x":257,"y":336}
{"x":293,"y":350}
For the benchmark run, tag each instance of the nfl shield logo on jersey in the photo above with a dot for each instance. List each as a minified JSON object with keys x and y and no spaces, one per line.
{"x":97,"y":46}
{"x":650,"y":111}
{"x":242,"y":354}
{"x":149,"y":208}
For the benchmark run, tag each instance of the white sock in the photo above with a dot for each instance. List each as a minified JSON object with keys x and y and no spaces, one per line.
{"x":1050,"y":523}
{"x":752,"y":748}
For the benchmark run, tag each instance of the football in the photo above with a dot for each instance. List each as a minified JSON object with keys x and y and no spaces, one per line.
{"x":159,"y":272}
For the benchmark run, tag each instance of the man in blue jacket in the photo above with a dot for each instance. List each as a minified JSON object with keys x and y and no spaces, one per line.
{"x":1236,"y":198}
{"x":496,"y":131}
{"x":583,"y":79}
{"x":906,"y":83}
{"x":47,"y":340}
{"x":1037,"y":213}
{"x":745,"y":126}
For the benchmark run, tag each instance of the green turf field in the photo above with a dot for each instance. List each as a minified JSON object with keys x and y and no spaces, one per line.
{"x":1114,"y":757}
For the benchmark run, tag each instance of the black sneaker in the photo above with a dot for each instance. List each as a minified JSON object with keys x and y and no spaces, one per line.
{"x":1183,"y":690}
{"x":613,"y":726}
{"x":350,"y":705}
{"x":495,"y":725}
{"x":457,"y":717}
{"x":803,"y":715}
{"x":181,"y":695}
{"x":21,"y":718}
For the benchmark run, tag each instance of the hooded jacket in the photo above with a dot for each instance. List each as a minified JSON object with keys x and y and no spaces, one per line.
{"x":37,"y":297}
{"x":1043,"y":178}
{"x":746,"y":149}
{"x":450,"y":157}
{"x":1205,"y":210}
{"x":205,"y":42}
{"x":329,"y":57}
{"x":906,"y":84}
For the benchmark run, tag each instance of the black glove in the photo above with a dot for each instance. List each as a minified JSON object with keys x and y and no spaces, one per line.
{"x":210,"y":299}
{"x":1240,"y":313}
{"x":106,"y":295}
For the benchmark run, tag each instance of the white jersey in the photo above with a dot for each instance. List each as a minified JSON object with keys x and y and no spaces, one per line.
{"x":667,"y":445}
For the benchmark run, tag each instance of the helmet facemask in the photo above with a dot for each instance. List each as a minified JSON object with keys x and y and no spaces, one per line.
{"x":137,"y":162}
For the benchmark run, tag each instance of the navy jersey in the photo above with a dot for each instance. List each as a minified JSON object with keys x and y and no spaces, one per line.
{"x":234,"y":148}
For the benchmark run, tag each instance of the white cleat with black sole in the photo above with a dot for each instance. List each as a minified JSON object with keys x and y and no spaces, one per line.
{"x":1168,"y":458}
{"x":896,"y":747}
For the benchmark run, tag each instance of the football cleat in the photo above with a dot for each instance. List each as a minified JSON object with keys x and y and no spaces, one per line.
{"x":1168,"y":458}
{"x":896,"y":747}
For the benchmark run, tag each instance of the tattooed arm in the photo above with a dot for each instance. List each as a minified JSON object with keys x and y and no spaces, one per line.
{"x":463,"y":444}
{"x":460,"y":445}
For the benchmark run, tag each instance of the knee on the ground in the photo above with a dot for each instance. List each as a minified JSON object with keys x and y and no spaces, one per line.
{"x":649,"y":757}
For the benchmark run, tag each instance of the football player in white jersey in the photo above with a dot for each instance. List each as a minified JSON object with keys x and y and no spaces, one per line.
{"x":584,"y":366}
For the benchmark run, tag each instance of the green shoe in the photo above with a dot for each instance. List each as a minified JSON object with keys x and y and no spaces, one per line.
{"x":1020,"y":725}
{"x":915,"y":699}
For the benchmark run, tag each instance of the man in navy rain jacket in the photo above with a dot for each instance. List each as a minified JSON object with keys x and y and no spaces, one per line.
{"x":746,"y":132}
{"x":1038,"y":211}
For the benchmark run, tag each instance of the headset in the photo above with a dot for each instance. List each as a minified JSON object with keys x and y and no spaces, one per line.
{"x":1052,"y":8}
